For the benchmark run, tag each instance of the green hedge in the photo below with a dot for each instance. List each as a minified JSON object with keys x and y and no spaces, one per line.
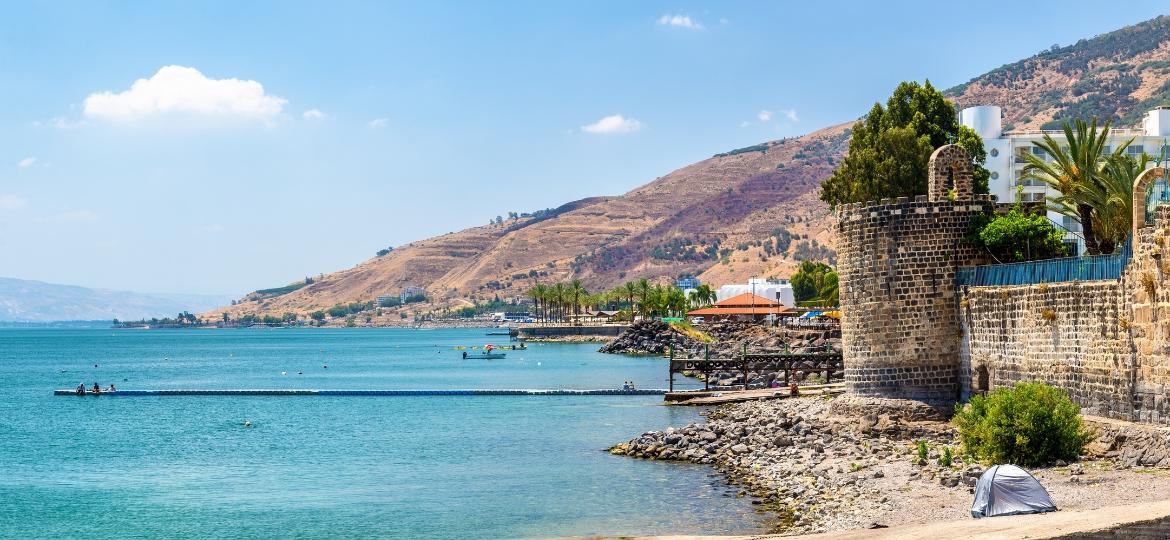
{"x":1029,"y":424}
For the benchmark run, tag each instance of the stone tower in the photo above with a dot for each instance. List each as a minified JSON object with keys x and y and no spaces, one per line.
{"x":900,"y":329}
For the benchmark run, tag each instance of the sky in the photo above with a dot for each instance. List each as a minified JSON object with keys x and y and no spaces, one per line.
{"x":222,"y":147}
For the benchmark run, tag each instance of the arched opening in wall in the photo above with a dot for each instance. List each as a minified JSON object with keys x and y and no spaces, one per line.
{"x":982,"y":379}
{"x":949,"y":187}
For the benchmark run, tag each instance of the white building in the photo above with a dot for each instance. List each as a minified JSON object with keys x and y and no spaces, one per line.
{"x":779,"y":290}
{"x":1006,"y":164}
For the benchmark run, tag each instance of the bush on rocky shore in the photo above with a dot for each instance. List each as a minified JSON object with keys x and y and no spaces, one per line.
{"x":1028,"y":424}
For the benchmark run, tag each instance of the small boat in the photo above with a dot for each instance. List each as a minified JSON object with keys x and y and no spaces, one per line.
{"x":486,"y":355}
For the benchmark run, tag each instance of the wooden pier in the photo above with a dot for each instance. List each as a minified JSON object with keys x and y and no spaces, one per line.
{"x":823,"y":363}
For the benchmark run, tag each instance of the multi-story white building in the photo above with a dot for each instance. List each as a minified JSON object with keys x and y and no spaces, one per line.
{"x":1006,"y":164}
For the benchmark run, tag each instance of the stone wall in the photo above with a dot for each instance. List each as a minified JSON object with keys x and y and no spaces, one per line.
{"x":1106,"y":342}
{"x":1068,"y":335}
{"x":1145,"y":286}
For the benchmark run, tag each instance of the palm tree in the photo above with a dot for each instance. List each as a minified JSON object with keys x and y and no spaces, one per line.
{"x":643,"y":291}
{"x":1075,"y":171}
{"x":576,"y":292}
{"x":631,"y":290}
{"x":542,"y":294}
{"x":703,"y":295}
{"x":558,"y":295}
{"x":1112,"y":199}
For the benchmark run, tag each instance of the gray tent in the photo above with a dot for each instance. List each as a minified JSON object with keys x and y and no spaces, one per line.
{"x":1006,"y":490}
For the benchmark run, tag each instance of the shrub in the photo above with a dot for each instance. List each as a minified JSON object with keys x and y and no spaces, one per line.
{"x":1017,"y":236}
{"x":1029,"y":424}
{"x":947,"y":457}
{"x":923,"y":452}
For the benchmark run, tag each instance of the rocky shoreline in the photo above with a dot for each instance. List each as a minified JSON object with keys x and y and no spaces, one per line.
{"x":825,"y":464}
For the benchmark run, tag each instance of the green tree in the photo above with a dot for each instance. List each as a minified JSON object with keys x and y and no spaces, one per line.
{"x":815,"y":281}
{"x":890,"y":148}
{"x":1075,"y":167}
{"x":1018,"y":236}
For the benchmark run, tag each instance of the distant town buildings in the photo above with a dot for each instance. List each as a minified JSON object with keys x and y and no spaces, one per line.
{"x":1005,"y":161}
{"x":689,"y":282}
{"x":777,"y":290}
{"x":743,"y":307}
{"x":409,"y":292}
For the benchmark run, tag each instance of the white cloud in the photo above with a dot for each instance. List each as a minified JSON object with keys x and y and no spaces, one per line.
{"x":790,"y":114}
{"x":613,"y":124}
{"x":27,"y":162}
{"x":314,"y":114}
{"x":764,"y":116}
{"x":378,"y":123}
{"x":184,"y":90}
{"x":680,"y":21}
{"x":12,"y":202}
{"x":744,"y":124}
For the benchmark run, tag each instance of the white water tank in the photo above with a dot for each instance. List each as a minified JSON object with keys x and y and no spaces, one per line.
{"x":984,"y":119}
{"x":1157,"y":123}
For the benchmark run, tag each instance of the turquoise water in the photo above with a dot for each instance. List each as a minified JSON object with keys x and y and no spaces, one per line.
{"x":341,"y":467}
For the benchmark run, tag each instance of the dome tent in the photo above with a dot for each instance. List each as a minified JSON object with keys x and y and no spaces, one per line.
{"x":1007,"y":490}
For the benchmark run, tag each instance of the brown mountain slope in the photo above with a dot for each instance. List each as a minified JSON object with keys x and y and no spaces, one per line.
{"x":716,"y":218}
{"x":1119,"y":75}
{"x":726,"y":201}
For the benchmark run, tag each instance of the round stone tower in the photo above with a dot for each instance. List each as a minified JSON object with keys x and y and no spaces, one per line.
{"x":900,"y":324}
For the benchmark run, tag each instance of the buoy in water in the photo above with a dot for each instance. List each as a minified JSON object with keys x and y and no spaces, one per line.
{"x":247,"y":423}
{"x":284,"y":373}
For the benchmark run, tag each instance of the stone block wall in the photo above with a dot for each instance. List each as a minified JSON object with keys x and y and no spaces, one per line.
{"x":1146,"y":284}
{"x":1071,"y":335}
{"x":1106,"y":342}
{"x":896,"y":264}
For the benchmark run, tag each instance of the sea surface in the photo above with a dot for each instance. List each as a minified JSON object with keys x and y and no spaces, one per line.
{"x":335,"y":467}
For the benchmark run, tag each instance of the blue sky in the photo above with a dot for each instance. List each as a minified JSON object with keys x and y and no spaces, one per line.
{"x":352,"y":126}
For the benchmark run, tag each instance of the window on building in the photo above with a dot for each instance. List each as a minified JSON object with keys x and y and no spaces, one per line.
{"x":994,"y":152}
{"x":1073,"y":248}
{"x":1070,"y":223}
{"x":1038,"y":152}
{"x":994,"y":175}
{"x":1030,"y":197}
{"x":1021,"y":180}
{"x":1135,"y":150}
{"x":1106,"y":150}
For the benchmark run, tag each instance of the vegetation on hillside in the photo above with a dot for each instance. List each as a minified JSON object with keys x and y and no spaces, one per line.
{"x":1029,"y":424}
{"x":891,"y":147}
{"x":1106,"y":72}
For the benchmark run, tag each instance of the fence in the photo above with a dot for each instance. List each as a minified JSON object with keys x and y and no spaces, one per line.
{"x":1088,"y":268}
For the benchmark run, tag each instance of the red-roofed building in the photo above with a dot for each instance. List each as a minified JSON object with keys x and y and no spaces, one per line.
{"x":743,"y":307}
